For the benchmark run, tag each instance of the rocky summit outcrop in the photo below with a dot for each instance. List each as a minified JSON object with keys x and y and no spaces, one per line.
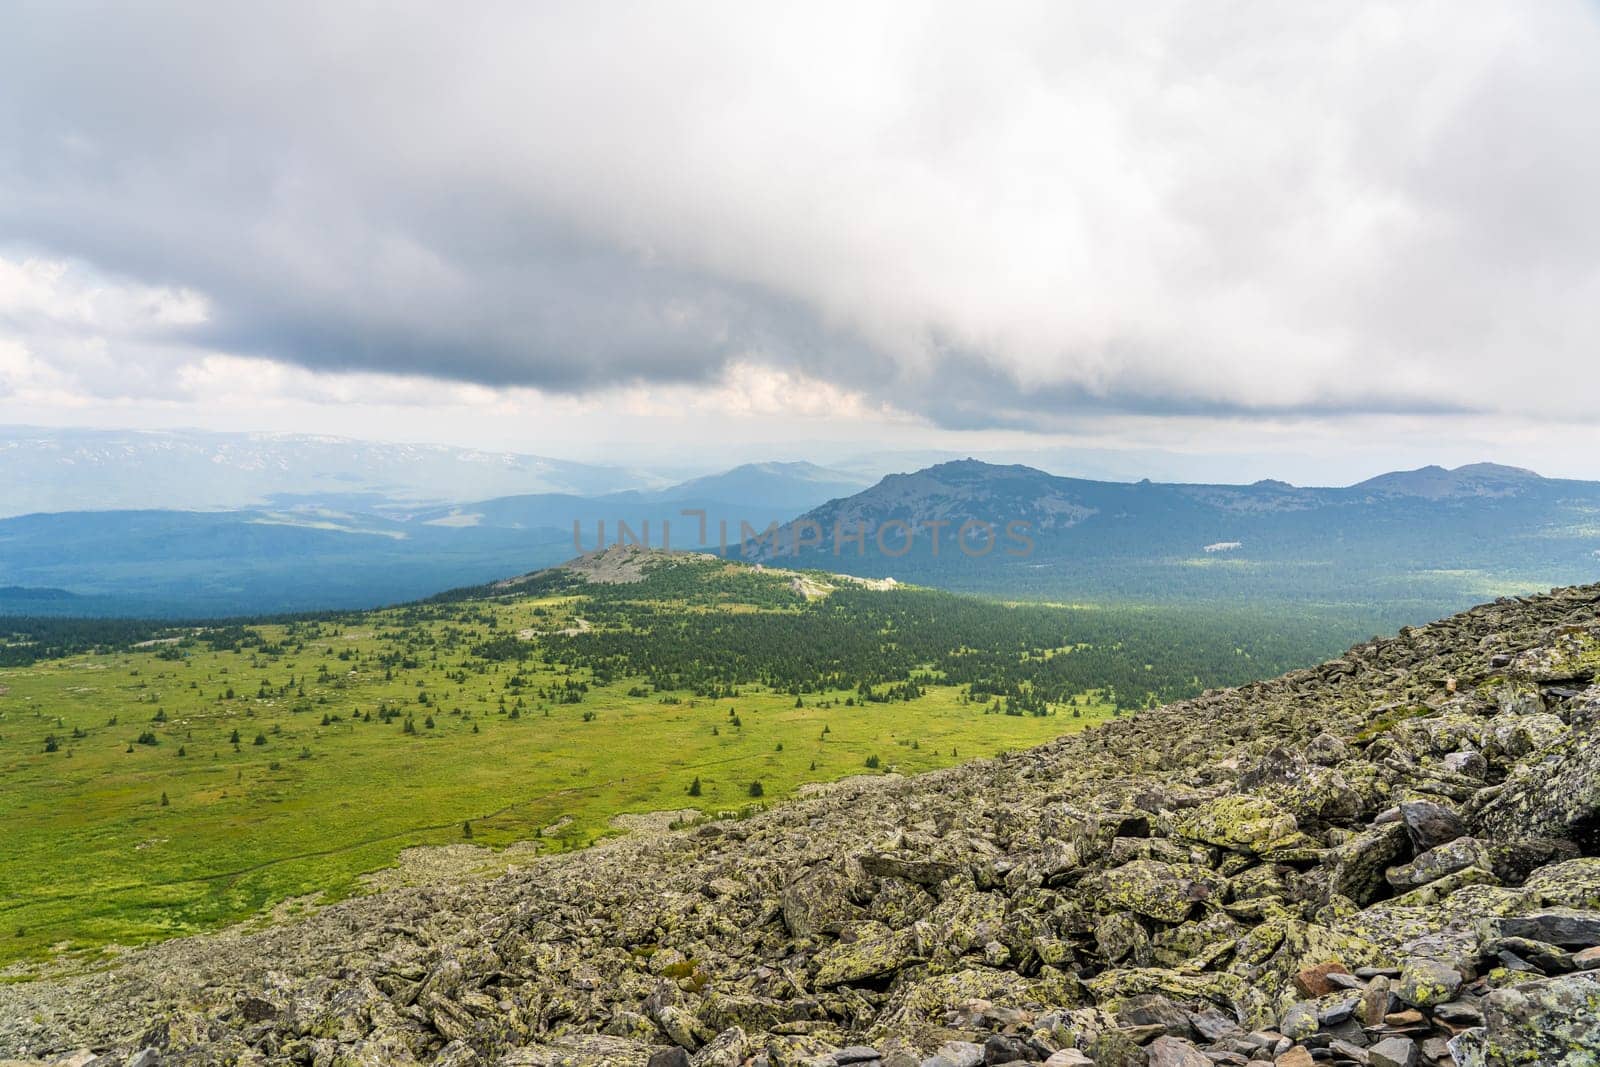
{"x":1390,"y":859}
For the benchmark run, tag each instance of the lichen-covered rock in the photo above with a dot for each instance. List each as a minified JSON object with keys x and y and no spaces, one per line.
{"x":1448,"y":926}
{"x":1510,"y":739}
{"x":800,"y":1050}
{"x":1569,"y":884}
{"x":964,"y":921}
{"x":592,"y":1050}
{"x":379,"y":1050}
{"x":1554,"y":793}
{"x":1174,"y":945}
{"x":730,"y":1048}
{"x":1274,"y":953}
{"x":1165,"y":892}
{"x":817,"y":900}
{"x":1435,"y":863}
{"x":871,"y":951}
{"x":1230,"y":992}
{"x":1119,"y":936}
{"x":1359,"y":865}
{"x":917,"y":1009}
{"x":1513,"y":862}
{"x":1426,"y":982}
{"x":1553,"y":1023}
{"x":1242,"y":823}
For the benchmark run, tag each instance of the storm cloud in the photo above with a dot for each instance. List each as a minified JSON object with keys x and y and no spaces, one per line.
{"x":989,"y":215}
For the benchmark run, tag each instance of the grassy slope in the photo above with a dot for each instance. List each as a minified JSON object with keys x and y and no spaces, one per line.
{"x":91,"y":856}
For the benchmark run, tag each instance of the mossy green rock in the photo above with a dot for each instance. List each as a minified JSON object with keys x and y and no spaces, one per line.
{"x":1569,"y":884}
{"x":873,"y":952}
{"x":1241,"y":823}
{"x":817,"y":899}
{"x":589,"y":1050}
{"x":1425,"y":982}
{"x":1269,"y":956}
{"x":1233,"y":994}
{"x":1554,"y":1023}
{"x":1166,"y":892}
{"x":961,"y":923}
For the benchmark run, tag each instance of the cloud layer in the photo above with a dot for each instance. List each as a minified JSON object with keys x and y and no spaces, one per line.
{"x":1013,"y":216}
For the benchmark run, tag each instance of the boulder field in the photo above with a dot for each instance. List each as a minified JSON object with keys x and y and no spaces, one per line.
{"x":1391,"y":859}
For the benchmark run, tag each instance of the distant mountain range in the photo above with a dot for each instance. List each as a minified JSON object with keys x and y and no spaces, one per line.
{"x":315,"y":551}
{"x":758,"y":493}
{"x":1414,"y":542}
{"x":1433,"y":536}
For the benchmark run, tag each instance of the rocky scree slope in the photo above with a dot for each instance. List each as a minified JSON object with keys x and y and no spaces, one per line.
{"x":1393,"y":858}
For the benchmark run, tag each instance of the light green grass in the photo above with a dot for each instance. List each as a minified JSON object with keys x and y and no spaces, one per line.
{"x":89,"y":856}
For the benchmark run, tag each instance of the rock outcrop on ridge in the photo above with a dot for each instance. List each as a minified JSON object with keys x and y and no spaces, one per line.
{"x":1389,"y":859}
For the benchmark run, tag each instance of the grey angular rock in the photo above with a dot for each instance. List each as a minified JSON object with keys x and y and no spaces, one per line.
{"x":1567,"y":927}
{"x":1430,"y":824}
{"x":1393,"y":1052}
{"x":1069,"y":1057}
{"x":1213,"y":1025}
{"x":1459,"y":1013}
{"x":1175,"y":1052}
{"x":1469,"y":762}
{"x":1154,"y":1009}
{"x":961,"y":1053}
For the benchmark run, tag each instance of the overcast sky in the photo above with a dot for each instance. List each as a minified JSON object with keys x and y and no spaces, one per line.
{"x":1313,"y":240}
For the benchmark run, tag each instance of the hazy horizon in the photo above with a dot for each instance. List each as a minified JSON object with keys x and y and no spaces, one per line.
{"x":642,"y":469}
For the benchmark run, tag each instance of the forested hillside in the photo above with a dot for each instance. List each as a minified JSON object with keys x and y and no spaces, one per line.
{"x":1405,"y":546}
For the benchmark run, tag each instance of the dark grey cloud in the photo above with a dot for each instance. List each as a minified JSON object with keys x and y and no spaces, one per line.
{"x":1012,"y":217}
{"x":966,"y":394}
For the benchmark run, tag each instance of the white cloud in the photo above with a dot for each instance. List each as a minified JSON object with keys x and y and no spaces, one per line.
{"x":69,"y":335}
{"x":57,"y":295}
{"x":24,"y":379}
{"x":1034,"y":215}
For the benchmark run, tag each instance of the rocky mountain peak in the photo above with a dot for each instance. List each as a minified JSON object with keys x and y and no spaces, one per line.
{"x":1437,"y":483}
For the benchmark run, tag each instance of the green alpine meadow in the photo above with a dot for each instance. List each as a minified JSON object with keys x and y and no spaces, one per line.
{"x":179,"y":778}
